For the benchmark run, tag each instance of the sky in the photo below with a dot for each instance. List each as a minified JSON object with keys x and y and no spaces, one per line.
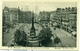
{"x":38,"y":6}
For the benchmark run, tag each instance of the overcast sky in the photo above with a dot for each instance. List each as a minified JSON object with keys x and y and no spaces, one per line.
{"x":39,"y":6}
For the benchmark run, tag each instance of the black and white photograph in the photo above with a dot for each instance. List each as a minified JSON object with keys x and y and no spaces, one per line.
{"x":39,"y":24}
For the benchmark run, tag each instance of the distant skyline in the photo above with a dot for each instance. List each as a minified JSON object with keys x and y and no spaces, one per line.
{"x":39,"y":6}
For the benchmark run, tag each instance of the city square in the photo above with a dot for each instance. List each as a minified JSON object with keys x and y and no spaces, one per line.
{"x":40,"y":28}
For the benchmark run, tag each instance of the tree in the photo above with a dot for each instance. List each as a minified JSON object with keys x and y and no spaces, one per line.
{"x":20,"y":38}
{"x":45,"y":36}
{"x":17,"y":36}
{"x":23,"y":38}
{"x":57,"y":40}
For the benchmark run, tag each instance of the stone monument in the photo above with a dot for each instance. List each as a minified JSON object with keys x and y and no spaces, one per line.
{"x":32,"y":31}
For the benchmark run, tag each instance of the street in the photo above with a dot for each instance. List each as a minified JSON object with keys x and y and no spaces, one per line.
{"x":9,"y":36}
{"x":65,"y":37}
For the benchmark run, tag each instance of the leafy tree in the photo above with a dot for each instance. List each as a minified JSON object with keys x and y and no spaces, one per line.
{"x":45,"y":36}
{"x":20,"y":37}
{"x":57,"y":40}
{"x":17,"y":36}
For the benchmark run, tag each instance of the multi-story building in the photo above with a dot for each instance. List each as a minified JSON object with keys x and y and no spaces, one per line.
{"x":53,"y":16}
{"x":10,"y":14}
{"x":66,"y":17}
{"x":44,"y":16}
{"x":26,"y":16}
{"x":6,"y":14}
{"x":14,"y":15}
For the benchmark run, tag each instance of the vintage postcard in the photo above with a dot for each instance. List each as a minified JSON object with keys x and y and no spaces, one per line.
{"x":39,"y":24}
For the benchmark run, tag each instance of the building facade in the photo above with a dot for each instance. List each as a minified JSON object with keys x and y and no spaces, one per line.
{"x":17,"y":15}
{"x":26,"y":16}
{"x":66,"y":18}
{"x":44,"y":16}
{"x":10,"y":15}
